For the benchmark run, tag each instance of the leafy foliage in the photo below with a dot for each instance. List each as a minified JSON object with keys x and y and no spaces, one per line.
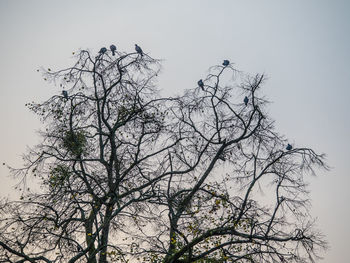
{"x":74,"y":142}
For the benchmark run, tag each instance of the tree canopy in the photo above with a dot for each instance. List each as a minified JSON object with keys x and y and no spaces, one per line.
{"x":127,"y":175}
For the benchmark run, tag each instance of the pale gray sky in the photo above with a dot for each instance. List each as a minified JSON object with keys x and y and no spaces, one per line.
{"x":302,"y":46}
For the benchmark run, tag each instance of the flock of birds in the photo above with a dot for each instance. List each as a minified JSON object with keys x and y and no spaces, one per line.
{"x":200,"y":82}
{"x":113,"y":48}
{"x":245,"y":100}
{"x":225,"y":64}
{"x":103,"y":50}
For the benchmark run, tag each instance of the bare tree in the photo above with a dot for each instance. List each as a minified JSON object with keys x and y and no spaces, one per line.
{"x":126,"y":175}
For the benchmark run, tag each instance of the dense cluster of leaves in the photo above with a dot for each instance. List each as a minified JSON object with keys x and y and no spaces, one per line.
{"x":129,"y":176}
{"x":74,"y":142}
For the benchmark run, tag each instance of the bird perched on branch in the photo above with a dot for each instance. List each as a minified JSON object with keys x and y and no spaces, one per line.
{"x":103,"y":50}
{"x":226,"y":63}
{"x":222,"y":157}
{"x":246,"y":100}
{"x":138,"y":50}
{"x":113,"y":49}
{"x":289,"y":147}
{"x":65,"y":94}
{"x":201,"y":84}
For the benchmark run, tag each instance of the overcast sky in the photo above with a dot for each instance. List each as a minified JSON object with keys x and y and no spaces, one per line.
{"x":302,"y":46}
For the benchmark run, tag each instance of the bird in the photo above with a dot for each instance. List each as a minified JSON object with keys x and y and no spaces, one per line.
{"x":103,"y":50}
{"x":226,"y":63}
{"x":201,"y":84}
{"x":246,"y":100}
{"x":65,"y":94}
{"x":222,"y":157}
{"x":138,"y":50}
{"x":113,"y":49}
{"x":289,"y":147}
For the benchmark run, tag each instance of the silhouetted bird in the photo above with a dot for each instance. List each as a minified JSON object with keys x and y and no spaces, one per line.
{"x":246,"y":100}
{"x":65,"y":94}
{"x":79,"y":248}
{"x":201,"y":84}
{"x":289,"y":147}
{"x":138,"y":50}
{"x":103,"y":50}
{"x":113,"y":49}
{"x":222,"y":158}
{"x":226,"y":63}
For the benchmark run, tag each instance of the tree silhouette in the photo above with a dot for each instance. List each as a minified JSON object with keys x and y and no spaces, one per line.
{"x":126,"y":175}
